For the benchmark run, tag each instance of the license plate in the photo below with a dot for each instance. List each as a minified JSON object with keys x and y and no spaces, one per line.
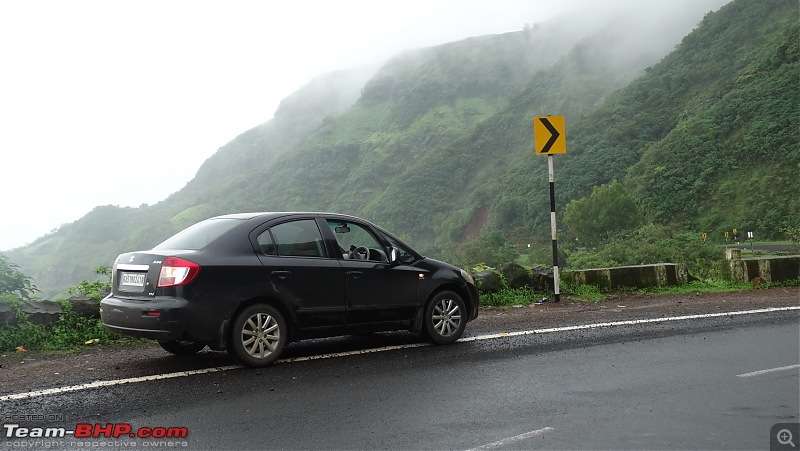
{"x":132,"y":281}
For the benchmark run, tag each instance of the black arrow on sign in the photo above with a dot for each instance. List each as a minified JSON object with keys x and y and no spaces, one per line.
{"x":553,"y":135}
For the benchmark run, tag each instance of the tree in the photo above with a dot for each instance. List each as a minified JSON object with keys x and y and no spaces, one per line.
{"x":13,"y":281}
{"x":792,"y":233}
{"x":610,"y":209}
{"x":95,"y":289}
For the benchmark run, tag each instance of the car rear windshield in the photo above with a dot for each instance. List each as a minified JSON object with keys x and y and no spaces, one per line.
{"x":200,"y":235}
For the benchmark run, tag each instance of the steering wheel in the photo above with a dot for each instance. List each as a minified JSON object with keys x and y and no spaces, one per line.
{"x":359,"y":253}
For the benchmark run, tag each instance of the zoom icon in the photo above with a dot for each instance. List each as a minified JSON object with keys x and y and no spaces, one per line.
{"x":783,"y":436}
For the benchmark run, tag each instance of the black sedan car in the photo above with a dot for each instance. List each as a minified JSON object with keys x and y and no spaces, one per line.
{"x":250,"y":283}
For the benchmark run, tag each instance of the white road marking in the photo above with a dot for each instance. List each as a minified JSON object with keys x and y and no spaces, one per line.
{"x":626,"y":323}
{"x":130,"y":380}
{"x":771,"y":370}
{"x":514,"y":439}
{"x":347,"y":353}
{"x":109,"y":383}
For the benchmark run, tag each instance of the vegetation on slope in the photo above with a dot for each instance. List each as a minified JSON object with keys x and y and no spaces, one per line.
{"x":439,"y":144}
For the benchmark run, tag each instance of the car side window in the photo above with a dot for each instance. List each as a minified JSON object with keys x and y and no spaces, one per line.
{"x":356,"y":242}
{"x":297,"y":239}
{"x":265,"y":243}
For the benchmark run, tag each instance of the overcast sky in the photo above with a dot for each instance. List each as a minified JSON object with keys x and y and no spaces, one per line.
{"x":120,"y":102}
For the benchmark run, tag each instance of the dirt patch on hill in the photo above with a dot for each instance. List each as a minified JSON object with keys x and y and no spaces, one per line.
{"x":475,"y":225}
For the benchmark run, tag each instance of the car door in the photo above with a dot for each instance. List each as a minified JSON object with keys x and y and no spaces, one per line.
{"x":376,"y":291}
{"x":301,"y":272}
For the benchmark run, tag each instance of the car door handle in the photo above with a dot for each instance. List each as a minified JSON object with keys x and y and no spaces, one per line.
{"x":281,"y":274}
{"x":355,"y":274}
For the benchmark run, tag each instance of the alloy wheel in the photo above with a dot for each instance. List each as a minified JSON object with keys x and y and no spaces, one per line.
{"x":446,"y":317}
{"x":261,"y":335}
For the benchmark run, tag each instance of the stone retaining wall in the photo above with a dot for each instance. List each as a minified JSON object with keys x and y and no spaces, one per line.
{"x":641,"y":276}
{"x":769,"y":269}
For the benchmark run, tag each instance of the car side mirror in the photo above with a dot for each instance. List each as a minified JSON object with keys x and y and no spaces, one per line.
{"x":394,"y":256}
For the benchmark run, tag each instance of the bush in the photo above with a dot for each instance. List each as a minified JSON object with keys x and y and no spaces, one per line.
{"x":652,"y":244}
{"x":95,"y":289}
{"x":68,"y":332}
{"x":71,"y":330}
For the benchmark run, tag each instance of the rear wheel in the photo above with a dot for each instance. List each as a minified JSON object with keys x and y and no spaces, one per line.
{"x":258,"y":335}
{"x":182,"y":347}
{"x":445,"y":318}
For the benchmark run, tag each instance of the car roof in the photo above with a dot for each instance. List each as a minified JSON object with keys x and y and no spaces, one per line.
{"x":278,"y":214}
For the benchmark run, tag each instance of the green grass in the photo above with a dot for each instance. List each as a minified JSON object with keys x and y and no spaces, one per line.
{"x":509,"y":297}
{"x":707,"y":286}
{"x":585,"y":293}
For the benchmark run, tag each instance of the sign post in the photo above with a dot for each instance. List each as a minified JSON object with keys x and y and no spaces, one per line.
{"x":549,"y":139}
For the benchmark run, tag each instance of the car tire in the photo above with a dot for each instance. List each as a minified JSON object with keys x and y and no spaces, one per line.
{"x":445,"y":318}
{"x":182,"y":347}
{"x":258,"y":335}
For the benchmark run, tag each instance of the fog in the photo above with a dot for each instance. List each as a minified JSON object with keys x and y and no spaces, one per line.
{"x":120,"y":102}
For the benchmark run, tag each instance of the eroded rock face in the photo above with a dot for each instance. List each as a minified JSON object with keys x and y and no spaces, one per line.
{"x":539,"y":278}
{"x":46,"y":312}
{"x":543,"y":278}
{"x":516,"y":276}
{"x":7,"y":314}
{"x":488,"y":281}
{"x":38,"y":312}
{"x":85,"y":306}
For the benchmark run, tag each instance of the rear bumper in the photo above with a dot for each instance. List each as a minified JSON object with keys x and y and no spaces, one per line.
{"x":138,"y":318}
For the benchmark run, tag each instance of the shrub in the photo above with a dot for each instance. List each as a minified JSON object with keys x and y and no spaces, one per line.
{"x":68,"y":332}
{"x":652,"y":244}
{"x":508,"y":297}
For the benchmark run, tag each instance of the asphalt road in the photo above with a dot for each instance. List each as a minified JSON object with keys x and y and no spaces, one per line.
{"x":762,"y":246}
{"x":678,"y":385}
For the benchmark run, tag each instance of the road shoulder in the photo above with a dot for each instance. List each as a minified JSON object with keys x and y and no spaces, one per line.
{"x":26,"y":371}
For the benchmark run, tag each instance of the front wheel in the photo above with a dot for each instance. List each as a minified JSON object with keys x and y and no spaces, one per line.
{"x":445,"y":318}
{"x":182,"y":347}
{"x":258,"y":335}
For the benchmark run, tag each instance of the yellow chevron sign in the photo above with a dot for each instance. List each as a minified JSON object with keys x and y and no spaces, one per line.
{"x":549,"y":135}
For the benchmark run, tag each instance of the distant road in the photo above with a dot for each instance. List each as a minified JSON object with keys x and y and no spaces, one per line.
{"x":764,"y":247}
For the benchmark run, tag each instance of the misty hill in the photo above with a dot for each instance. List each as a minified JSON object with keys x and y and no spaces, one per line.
{"x":437,"y":143}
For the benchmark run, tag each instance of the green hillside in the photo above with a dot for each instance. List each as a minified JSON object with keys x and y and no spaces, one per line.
{"x":437,"y":144}
{"x":707,"y":139}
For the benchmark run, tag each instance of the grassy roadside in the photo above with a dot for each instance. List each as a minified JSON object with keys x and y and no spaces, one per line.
{"x":72,"y":332}
{"x":509,"y":297}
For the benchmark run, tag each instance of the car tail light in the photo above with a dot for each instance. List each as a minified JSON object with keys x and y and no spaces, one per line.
{"x":177,"y":271}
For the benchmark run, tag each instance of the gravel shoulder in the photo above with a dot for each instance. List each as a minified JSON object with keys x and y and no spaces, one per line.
{"x":27,"y":371}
